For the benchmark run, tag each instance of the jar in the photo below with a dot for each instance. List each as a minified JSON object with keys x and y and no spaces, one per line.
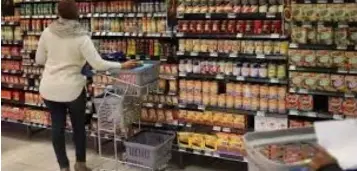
{"x":263,"y":73}
{"x":272,"y":70}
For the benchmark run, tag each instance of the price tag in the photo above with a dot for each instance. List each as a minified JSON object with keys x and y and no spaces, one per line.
{"x":182,"y":74}
{"x":196,"y":152}
{"x":134,"y":34}
{"x":207,"y":153}
{"x":208,"y":15}
{"x":303,"y":91}
{"x":89,"y":15}
{"x":341,"y":47}
{"x":103,"y":33}
{"x":311,"y":114}
{"x":188,"y":125}
{"x":175,"y":122}
{"x":226,"y":129}
{"x":307,"y":1}
{"x":274,"y":80}
{"x":270,"y":15}
{"x":321,"y":1}
{"x":10,"y":85}
{"x":140,"y":34}
{"x":216,"y":155}
{"x":110,"y":33}
{"x":96,"y":33}
{"x":240,"y":78}
{"x":149,"y":15}
{"x":231,"y":15}
{"x":179,"y":34}
{"x":340,"y":70}
{"x":126,"y":34}
{"x":149,"y":104}
{"x":158,"y":124}
{"x":213,"y":54}
{"x":216,"y":128}
{"x":292,"y":67}
{"x":293,"y":112}
{"x":201,"y":107}
{"x":194,"y":54}
{"x":349,"y":95}
{"x":338,"y":117}
{"x":260,"y":113}
{"x":180,"y":53}
{"x":104,"y":15}
{"x":140,"y":15}
{"x":219,"y":77}
{"x":131,"y":15}
{"x":181,"y":105}
{"x":120,"y":15}
{"x":96,"y":15}
{"x":274,"y":36}
{"x":182,"y":150}
{"x":293,"y":45}
{"x":260,"y":56}
{"x":239,"y":35}
{"x":160,"y":106}
{"x":233,"y":55}
{"x":111,"y":15}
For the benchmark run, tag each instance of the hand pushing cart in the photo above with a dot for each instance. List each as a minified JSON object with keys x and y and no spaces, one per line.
{"x":289,"y":150}
{"x":120,"y":106}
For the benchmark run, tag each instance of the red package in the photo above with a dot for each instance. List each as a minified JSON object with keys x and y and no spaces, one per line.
{"x":335,"y":104}
{"x":292,"y":101}
{"x":306,"y":102}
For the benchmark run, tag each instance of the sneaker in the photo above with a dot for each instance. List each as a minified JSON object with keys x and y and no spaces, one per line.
{"x":81,"y":166}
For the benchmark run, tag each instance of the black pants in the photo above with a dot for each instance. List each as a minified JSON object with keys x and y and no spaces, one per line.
{"x":76,"y":110}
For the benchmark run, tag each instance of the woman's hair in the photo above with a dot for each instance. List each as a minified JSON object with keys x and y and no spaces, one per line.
{"x":68,"y":9}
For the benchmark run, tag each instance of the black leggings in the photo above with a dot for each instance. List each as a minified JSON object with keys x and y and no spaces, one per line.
{"x":76,"y":110}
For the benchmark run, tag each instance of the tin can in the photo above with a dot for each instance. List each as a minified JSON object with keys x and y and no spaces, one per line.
{"x":266,"y":26}
{"x":231,"y":26}
{"x":258,"y":24}
{"x":240,"y":26}
{"x":248,"y":27}
{"x":276,"y":26}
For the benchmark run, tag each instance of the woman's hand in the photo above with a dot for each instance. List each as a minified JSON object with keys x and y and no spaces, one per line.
{"x":130,"y":64}
{"x":321,"y":158}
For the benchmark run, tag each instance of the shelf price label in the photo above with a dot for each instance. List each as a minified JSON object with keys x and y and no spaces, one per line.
{"x":179,"y":34}
{"x":193,"y":53}
{"x":240,"y":78}
{"x":274,"y":80}
{"x":233,"y":55}
{"x":239,"y":35}
{"x":231,"y":15}
{"x":180,"y":53}
{"x":216,"y":128}
{"x":226,"y":130}
{"x":208,"y":15}
{"x":158,"y":124}
{"x":260,"y":56}
{"x":270,"y":15}
{"x":311,"y":114}
{"x":260,"y":113}
{"x":293,"y":112}
{"x":201,"y":107}
{"x":213,"y":54}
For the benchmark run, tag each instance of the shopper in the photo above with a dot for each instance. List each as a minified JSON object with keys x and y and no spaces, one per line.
{"x":64,"y":48}
{"x":323,"y":161}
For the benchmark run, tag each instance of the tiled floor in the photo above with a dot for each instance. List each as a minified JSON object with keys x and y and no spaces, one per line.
{"x":19,"y":153}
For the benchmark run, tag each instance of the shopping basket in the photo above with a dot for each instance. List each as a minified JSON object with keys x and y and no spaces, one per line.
{"x":256,"y":141}
{"x":151,"y":149}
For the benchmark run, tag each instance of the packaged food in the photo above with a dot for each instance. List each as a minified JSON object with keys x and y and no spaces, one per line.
{"x":323,"y":12}
{"x":296,"y":57}
{"x":254,"y":103}
{"x":281,"y":71}
{"x":272,"y":70}
{"x":144,"y":115}
{"x":310,"y":80}
{"x":306,"y":102}
{"x":183,"y":139}
{"x":264,"y":91}
{"x":323,"y":58}
{"x":325,"y":35}
{"x":152,"y":115}
{"x":352,"y":60}
{"x":273,"y":92}
{"x":349,"y":107}
{"x":299,"y":35}
{"x":309,"y":58}
{"x":351,"y":83}
{"x":229,"y":101}
{"x":281,"y":106}
{"x":297,"y":12}
{"x":335,"y":105}
{"x":338,"y":83}
{"x":263,"y":104}
{"x":210,"y":142}
{"x":236,"y":144}
{"x":292,"y":101}
{"x":324,"y":82}
{"x":238,"y":102}
{"x":273,"y":105}
{"x":222,"y":142}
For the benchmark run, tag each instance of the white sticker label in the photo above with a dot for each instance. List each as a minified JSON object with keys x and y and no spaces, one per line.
{"x":201,"y":107}
{"x":208,"y":15}
{"x":260,"y":56}
{"x":260,"y":113}
{"x":216,"y":128}
{"x":293,"y":45}
{"x":240,"y":78}
{"x":274,"y":36}
{"x":158,"y":124}
{"x":180,"y":53}
{"x":233,"y":55}
{"x":239,"y":35}
{"x":231,"y":15}
{"x":213,"y":54}
{"x":293,"y":112}
{"x":226,"y":129}
{"x":193,"y":54}
{"x":219,"y":77}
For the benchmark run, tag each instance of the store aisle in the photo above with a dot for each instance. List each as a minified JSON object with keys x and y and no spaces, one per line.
{"x":36,"y":154}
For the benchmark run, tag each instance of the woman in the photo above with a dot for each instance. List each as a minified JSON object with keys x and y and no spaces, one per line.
{"x":64,"y":48}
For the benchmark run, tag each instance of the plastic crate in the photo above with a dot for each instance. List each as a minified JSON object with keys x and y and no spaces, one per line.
{"x":149,"y":148}
{"x":255,"y":140}
{"x":139,"y":76}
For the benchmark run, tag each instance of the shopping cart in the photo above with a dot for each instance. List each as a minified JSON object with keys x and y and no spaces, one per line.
{"x":119,"y":107}
{"x":259,"y":159}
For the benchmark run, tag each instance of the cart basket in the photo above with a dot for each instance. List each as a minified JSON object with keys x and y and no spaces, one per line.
{"x":259,"y":162}
{"x":149,"y":148}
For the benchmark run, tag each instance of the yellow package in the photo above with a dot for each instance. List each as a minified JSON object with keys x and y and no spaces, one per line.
{"x":227,"y":120}
{"x":211,"y":142}
{"x":236,"y":144}
{"x":207,"y":117}
{"x":190,"y":116}
{"x":239,"y":121}
{"x":223,"y":142}
{"x":183,"y":139}
{"x":196,"y":141}
{"x":217,"y":118}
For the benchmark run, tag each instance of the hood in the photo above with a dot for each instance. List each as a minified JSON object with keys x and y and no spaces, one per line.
{"x":67,"y":28}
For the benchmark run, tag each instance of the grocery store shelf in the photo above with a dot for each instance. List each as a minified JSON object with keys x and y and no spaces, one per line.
{"x":230,"y":110}
{"x":19,"y":103}
{"x":323,"y":93}
{"x":36,"y":1}
{"x":158,"y":105}
{"x":11,"y":57}
{"x":27,"y":51}
{"x":11,"y":42}
{"x":15,"y":72}
{"x":322,"y":47}
{"x":326,"y":23}
{"x":132,"y":34}
{"x":223,"y":156}
{"x":12,"y":86}
{"x":168,"y":77}
{"x":315,"y":114}
{"x":31,"y":76}
{"x":322,"y":70}
{"x":47,"y":16}
{"x":231,"y":55}
{"x":194,"y":127}
{"x":324,"y":1}
{"x":33,"y":33}
{"x":10,"y":23}
{"x":123,"y":15}
{"x":32,"y":124}
{"x":232,"y":36}
{"x":240,"y":16}
{"x":233,"y":78}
